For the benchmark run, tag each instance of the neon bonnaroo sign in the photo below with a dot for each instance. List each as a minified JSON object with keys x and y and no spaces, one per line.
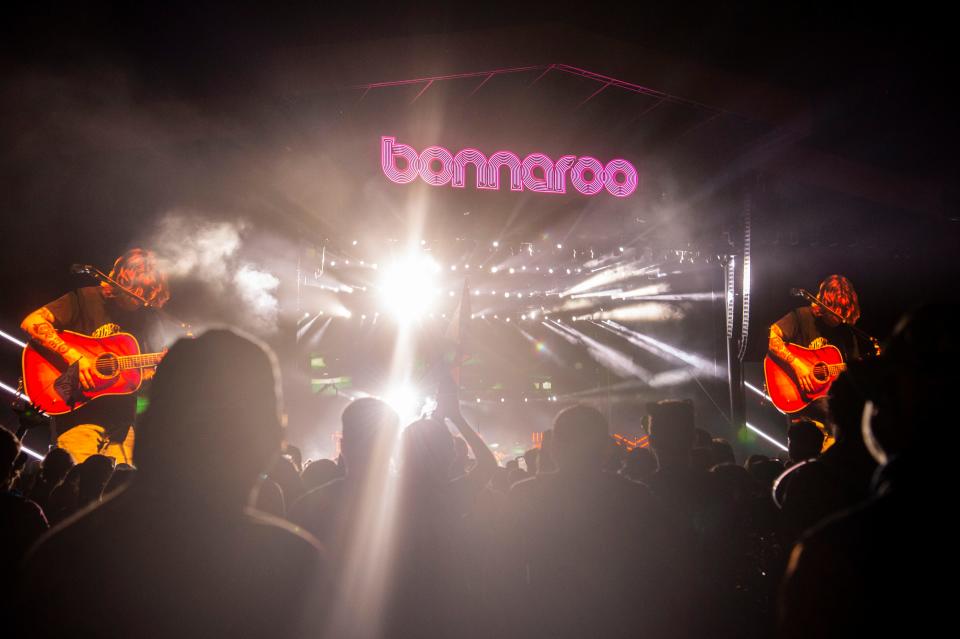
{"x":437,"y":166}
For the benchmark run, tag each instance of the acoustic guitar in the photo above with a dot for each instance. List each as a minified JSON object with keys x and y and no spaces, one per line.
{"x":54,"y":386}
{"x":782,"y":386}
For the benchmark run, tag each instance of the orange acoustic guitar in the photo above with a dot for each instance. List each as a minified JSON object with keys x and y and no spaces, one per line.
{"x":54,"y":387}
{"x":782,"y":386}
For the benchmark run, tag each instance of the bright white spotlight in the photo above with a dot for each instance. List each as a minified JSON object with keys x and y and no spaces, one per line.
{"x":406,"y":401}
{"x":408,"y":287}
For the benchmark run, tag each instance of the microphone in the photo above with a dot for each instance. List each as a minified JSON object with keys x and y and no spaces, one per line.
{"x":798,"y":292}
{"x":81,"y":269}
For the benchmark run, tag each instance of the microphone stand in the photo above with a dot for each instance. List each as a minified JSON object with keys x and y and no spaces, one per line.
{"x":807,"y":295}
{"x":99,"y":275}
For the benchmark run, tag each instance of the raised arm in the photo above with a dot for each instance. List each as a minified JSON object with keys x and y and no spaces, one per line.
{"x":486,"y":462}
{"x":39,"y":325}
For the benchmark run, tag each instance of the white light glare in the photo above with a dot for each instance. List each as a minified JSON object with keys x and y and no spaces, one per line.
{"x":407,"y":287}
{"x":766,"y":437}
{"x":405,"y":399}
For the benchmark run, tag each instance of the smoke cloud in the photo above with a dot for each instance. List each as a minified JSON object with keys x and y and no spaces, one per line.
{"x":217,"y":258}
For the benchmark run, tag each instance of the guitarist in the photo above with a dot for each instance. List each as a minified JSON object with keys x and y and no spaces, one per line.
{"x":103,"y":426}
{"x":811,"y":327}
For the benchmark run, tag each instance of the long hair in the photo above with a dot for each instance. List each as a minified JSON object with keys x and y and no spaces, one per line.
{"x":837,"y":292}
{"x":137,"y":270}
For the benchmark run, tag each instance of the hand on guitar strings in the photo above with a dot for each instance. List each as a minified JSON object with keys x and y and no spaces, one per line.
{"x":804,"y":373}
{"x":87,"y":372}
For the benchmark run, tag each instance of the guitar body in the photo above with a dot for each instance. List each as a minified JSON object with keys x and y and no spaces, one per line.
{"x":782,"y":386}
{"x":45,"y":382}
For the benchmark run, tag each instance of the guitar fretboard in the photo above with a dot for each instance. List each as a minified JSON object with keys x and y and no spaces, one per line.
{"x":831,"y":369}
{"x":143,"y":360}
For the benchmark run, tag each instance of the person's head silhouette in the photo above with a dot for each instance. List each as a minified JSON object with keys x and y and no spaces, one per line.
{"x":213,"y":422}
{"x":907,"y":385}
{"x":369,"y":426}
{"x":428,"y":451}
{"x":672,"y":429}
{"x":581,"y":441}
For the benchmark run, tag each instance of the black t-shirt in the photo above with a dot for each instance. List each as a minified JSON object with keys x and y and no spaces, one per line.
{"x":87,"y":311}
{"x":800,"y":326}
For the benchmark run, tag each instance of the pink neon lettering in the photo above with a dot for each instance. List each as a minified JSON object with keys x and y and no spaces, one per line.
{"x":530,"y":179}
{"x":537,"y":172}
{"x":389,"y":152}
{"x":595,"y":168}
{"x":501,"y":159}
{"x":429,"y":157}
{"x":630,"y":179}
{"x":460,"y":162}
{"x":560,"y":173}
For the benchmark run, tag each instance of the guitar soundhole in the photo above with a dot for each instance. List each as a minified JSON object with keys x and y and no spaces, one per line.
{"x":820,"y":372}
{"x":108,"y":365}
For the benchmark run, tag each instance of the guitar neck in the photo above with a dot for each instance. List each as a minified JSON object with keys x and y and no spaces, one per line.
{"x":836,"y":369}
{"x":143,"y":360}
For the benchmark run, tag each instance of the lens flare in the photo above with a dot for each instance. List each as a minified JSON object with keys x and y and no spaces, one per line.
{"x":408,"y":287}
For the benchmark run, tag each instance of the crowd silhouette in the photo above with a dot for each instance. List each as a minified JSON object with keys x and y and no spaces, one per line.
{"x":415,"y":531}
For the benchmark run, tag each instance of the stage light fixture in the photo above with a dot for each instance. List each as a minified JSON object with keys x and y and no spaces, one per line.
{"x":408,"y":287}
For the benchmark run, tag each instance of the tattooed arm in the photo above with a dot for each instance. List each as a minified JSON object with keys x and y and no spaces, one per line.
{"x":778,"y":349}
{"x":39,"y":325}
